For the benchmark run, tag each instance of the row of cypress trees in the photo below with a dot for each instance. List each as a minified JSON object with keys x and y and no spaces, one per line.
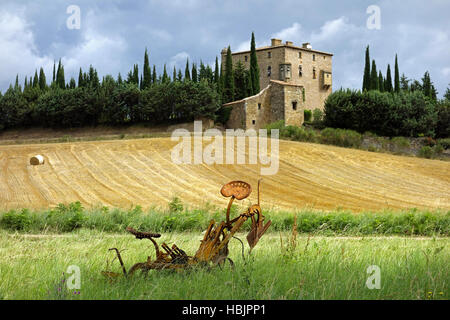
{"x":374,"y":80}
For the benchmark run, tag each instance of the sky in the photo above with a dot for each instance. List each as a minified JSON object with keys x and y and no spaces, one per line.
{"x":113,"y":34}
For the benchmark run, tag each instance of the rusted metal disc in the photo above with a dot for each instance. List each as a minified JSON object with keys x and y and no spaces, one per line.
{"x":239,"y":189}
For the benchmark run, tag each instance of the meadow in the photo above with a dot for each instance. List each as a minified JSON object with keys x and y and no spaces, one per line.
{"x":310,"y":267}
{"x":325,"y":257}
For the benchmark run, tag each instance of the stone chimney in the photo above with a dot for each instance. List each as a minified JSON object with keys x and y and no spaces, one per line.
{"x":289,"y":43}
{"x":306,"y":45}
{"x":275,"y":42}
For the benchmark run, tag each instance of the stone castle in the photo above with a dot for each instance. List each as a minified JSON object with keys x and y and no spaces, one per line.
{"x":292,"y":80}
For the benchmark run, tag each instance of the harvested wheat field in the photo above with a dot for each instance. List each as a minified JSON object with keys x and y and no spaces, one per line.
{"x":124,"y":173}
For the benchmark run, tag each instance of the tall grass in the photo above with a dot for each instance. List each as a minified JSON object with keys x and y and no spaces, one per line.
{"x":66,"y":218}
{"x":316,"y":268}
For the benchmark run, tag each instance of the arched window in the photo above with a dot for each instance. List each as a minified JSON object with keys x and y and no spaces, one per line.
{"x":300,"y":70}
{"x":269,"y":71}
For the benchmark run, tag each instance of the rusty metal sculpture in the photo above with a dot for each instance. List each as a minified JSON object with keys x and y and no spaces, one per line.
{"x":214,"y":245}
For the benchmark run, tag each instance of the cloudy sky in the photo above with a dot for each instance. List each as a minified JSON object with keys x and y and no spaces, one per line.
{"x":113,"y":34}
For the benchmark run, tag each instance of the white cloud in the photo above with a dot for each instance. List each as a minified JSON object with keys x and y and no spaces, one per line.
{"x":19,"y":54}
{"x":292,"y":33}
{"x":178,"y":60}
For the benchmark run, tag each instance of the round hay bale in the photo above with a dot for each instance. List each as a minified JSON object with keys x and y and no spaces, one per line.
{"x":37,"y":160}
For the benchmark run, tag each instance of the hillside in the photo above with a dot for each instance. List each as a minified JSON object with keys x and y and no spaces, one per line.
{"x":122,"y":173}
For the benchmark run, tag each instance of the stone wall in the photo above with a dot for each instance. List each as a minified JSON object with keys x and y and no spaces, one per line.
{"x":238,"y":117}
{"x":273,"y":103}
{"x":315,"y":92}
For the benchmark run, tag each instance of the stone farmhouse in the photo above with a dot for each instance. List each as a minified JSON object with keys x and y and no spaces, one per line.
{"x":292,"y":79}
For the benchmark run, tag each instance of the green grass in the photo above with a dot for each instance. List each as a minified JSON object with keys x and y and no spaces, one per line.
{"x":317,"y":267}
{"x":67,"y":218}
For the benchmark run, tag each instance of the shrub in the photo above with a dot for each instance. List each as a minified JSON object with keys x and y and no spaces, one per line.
{"x":384,"y":113}
{"x":426,"y":152}
{"x":445,"y":143}
{"x":317,"y":118}
{"x":341,"y":137}
{"x":307,"y":115}
{"x":175,"y":205}
{"x":16,"y":220}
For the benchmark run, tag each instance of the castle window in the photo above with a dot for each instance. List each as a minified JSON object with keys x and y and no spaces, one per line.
{"x":269,"y":71}
{"x":300,"y":55}
{"x":300,"y":70}
{"x":314,"y":57}
{"x":314,"y":73}
{"x":253,"y":121}
{"x":246,"y":58}
{"x":294,"y":105}
{"x":269,"y":54}
{"x":259,"y":106}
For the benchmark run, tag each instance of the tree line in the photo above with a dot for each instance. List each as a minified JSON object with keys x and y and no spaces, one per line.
{"x":400,"y":108}
{"x":144,"y":96}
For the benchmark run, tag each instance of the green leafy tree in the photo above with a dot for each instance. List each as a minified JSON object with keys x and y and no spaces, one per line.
{"x":404,"y":83}
{"x":240,"y":81}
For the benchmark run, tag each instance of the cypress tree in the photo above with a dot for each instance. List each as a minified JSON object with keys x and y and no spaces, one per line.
{"x":187,"y":74}
{"x":25,"y":85}
{"x":202,"y":73}
{"x":216,"y":72}
{"x":147,"y":80}
{"x":374,"y":77}
{"x":141,"y":84}
{"x":427,"y":85}
{"x":228,"y":85}
{"x":404,"y":82}
{"x":174,"y":76}
{"x":60,"y":77}
{"x":72,"y":83}
{"x":180,"y":76}
{"x":165,"y":77}
{"x":388,"y":81}
{"x":42,"y":80}
{"x":136,"y":74}
{"x":119,"y":79}
{"x":366,"y":77}
{"x":380,"y":82}
{"x":396,"y":76}
{"x":194,"y":73}
{"x":53,"y":80}
{"x":154,"y":75}
{"x":80,"y":79}
{"x":35,"y":80}
{"x":16,"y":85}
{"x":254,"y":69}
